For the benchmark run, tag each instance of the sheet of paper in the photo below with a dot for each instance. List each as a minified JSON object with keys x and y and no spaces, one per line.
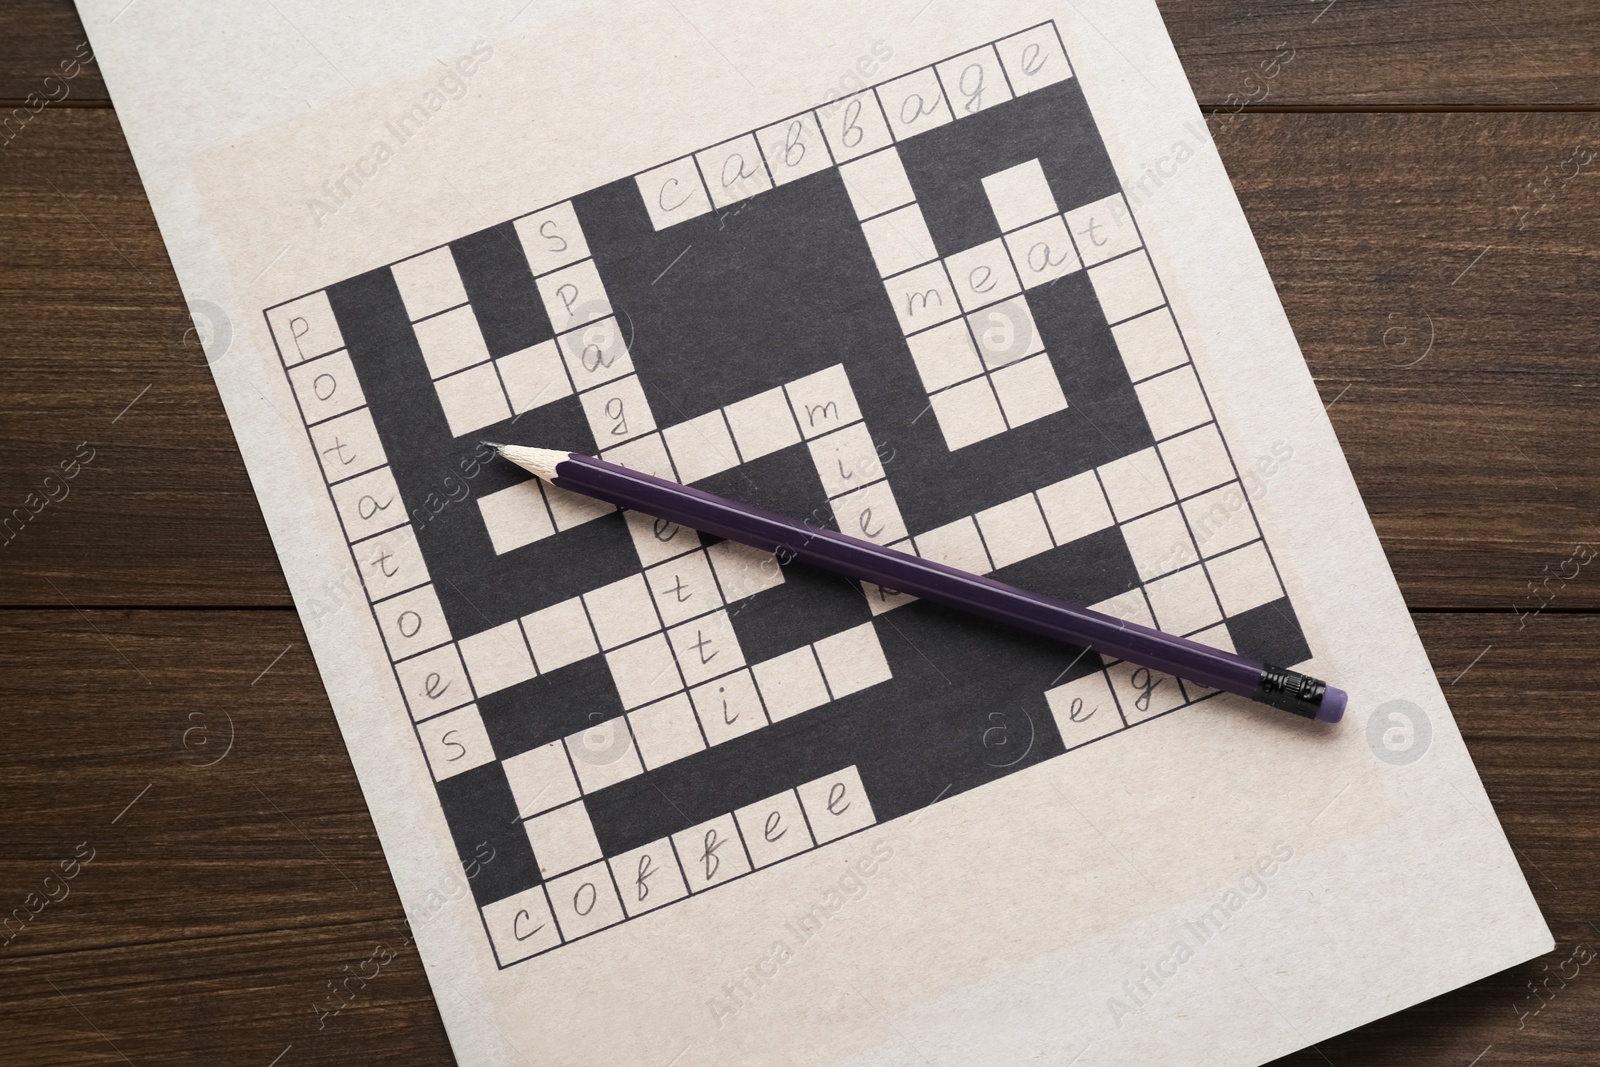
{"x":965,"y":279}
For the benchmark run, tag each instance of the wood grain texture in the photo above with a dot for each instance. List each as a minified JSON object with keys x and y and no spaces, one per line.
{"x":245,"y":878}
{"x":1465,"y":403}
{"x":164,"y":513}
{"x":1367,"y":52}
{"x":1450,"y":332}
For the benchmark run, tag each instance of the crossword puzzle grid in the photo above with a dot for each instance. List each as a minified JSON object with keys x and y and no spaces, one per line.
{"x":923,"y":313}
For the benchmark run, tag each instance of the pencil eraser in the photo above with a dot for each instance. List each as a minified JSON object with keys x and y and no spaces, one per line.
{"x":1332,"y":708}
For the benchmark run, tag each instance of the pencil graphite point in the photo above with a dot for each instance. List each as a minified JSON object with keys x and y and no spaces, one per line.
{"x":540,"y":461}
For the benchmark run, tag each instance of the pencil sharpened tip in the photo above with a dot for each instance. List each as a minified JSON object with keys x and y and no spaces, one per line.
{"x":539,"y":461}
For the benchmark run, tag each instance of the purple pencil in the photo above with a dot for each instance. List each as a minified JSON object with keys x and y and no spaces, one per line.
{"x":791,"y":539}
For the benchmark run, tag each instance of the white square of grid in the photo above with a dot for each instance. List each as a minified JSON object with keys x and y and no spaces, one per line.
{"x":967,"y":413}
{"x":1075,"y":507}
{"x":1143,"y":693}
{"x":1084,"y":709}
{"x":305,"y":328}
{"x":1150,"y":344}
{"x":326,"y":386}
{"x":622,"y":611}
{"x":684,"y":587}
{"x":1244,"y":578}
{"x":369,"y":504}
{"x":1020,"y":195}
{"x":701,"y":447}
{"x":560,"y":635}
{"x":472,"y":399}
{"x":1197,"y":460}
{"x":877,"y":183}
{"x":515,"y":516}
{"x":1173,"y":402}
{"x":762,"y":424}
{"x":497,"y":658}
{"x":914,"y":103}
{"x":823,"y":401}
{"x":673,"y":193}
{"x":1034,"y":59}
{"x":666,"y":731}
{"x":922,"y":297}
{"x":455,"y":742}
{"x":552,"y":238}
{"x":774,"y":828}
{"x":836,"y":804}
{"x":728,"y":707}
{"x":1159,"y":543}
{"x":974,"y":82}
{"x":1136,"y":484}
{"x":957,"y":544}
{"x":451,"y":341}
{"x":603,"y":754}
{"x":657,"y":539}
{"x":412,"y":622}
{"x":944,"y":355}
{"x":573,"y":296}
{"x":1015,"y":530}
{"x":1103,"y":230}
{"x":706,"y":647}
{"x":794,"y":148}
{"x":845,"y":459}
{"x":734,"y":170}
{"x":852,"y":660}
{"x":1005,"y":332}
{"x":983,"y":275}
{"x":562,"y":839}
{"x":1221,"y":519}
{"x":791,"y":683}
{"x":534,"y":376}
{"x":648,"y":877}
{"x":1183,"y":602}
{"x":854,"y":126}
{"x":899,"y":240}
{"x":1029,"y":390}
{"x":870,"y":512}
{"x":521,"y":926}
{"x":595,"y":353}
{"x":1126,"y":287}
{"x":348,"y":446}
{"x":585,"y":901}
{"x":711,"y":853}
{"x":540,"y":779}
{"x":617,"y":411}
{"x":434,"y":682}
{"x":1042,"y":252}
{"x":428,"y":283}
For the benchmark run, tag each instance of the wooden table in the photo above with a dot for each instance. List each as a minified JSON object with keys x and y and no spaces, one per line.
{"x":1409,"y":169}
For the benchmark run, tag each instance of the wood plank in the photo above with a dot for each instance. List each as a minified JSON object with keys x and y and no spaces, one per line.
{"x":163,"y":514}
{"x":44,"y":40}
{"x":1375,"y":53}
{"x":1474,"y":462}
{"x":1464,"y":385}
{"x":220,"y":905}
{"x":1370,"y":52}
